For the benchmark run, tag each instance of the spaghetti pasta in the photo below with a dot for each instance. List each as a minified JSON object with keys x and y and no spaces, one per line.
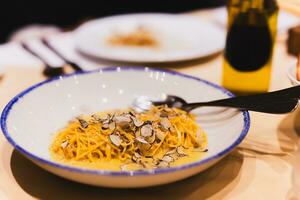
{"x":156,"y":138}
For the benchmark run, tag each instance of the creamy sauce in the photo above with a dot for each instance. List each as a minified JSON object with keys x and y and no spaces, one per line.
{"x":125,"y":141}
{"x":115,"y":164}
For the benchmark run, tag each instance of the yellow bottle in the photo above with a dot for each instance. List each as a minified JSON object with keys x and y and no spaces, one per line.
{"x":247,"y":61}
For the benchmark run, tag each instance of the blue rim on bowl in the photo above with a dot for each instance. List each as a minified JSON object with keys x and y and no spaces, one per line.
{"x":9,"y":106}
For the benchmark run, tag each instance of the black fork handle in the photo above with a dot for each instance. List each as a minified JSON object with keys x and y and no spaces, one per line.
{"x":292,"y":92}
{"x":48,"y":71}
{"x":281,"y":101}
{"x":266,"y":104}
{"x":75,"y":66}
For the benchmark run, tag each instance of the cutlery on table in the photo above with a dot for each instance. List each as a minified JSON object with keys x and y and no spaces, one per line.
{"x":277,"y":102}
{"x":49,"y":70}
{"x":75,"y":66}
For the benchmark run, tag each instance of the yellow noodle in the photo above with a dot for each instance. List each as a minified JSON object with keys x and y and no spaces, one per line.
{"x":92,"y":143}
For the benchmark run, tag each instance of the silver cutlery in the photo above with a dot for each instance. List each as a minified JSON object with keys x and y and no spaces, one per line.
{"x":49,"y":70}
{"x":278,"y":102}
{"x":75,"y":66}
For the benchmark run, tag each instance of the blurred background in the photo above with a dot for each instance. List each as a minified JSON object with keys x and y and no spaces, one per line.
{"x":17,"y":14}
{"x":43,"y":39}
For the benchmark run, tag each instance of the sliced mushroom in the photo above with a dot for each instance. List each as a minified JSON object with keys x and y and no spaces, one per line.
{"x":168,"y":159}
{"x":167,"y":109}
{"x":151,"y":161}
{"x":137,"y":133}
{"x":151,"y":138}
{"x":122,"y":121}
{"x":83,"y":123}
{"x":105,"y":119}
{"x":131,"y":113}
{"x":142,"y":140}
{"x":105,"y":122}
{"x":165,"y":123}
{"x":111,"y":116}
{"x":115,"y":139}
{"x":163,"y":164}
{"x":105,"y":126}
{"x":96,"y":117}
{"x":146,"y":130}
{"x":112,"y":126}
{"x":180,"y":151}
{"x":173,"y":151}
{"x":172,"y":129}
{"x":160,"y":135}
{"x":117,"y":133}
{"x":144,"y":148}
{"x":136,"y":121}
{"x":147,"y":122}
{"x":128,"y":115}
{"x":64,"y":144}
{"x":136,"y":157}
{"x":163,"y":114}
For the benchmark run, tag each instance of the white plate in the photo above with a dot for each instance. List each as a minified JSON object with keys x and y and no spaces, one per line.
{"x":181,"y":38}
{"x":30,"y":120}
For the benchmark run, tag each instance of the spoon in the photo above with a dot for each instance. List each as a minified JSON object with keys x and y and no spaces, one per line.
{"x":278,"y":102}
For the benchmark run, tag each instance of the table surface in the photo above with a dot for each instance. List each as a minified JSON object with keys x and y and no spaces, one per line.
{"x":262,"y":167}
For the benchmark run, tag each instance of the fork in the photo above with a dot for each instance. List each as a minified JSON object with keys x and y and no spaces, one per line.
{"x":278,"y":102}
{"x":75,"y":66}
{"x":49,"y":70}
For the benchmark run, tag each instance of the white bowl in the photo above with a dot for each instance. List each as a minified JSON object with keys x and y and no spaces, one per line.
{"x":291,"y":73}
{"x":30,"y":119}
